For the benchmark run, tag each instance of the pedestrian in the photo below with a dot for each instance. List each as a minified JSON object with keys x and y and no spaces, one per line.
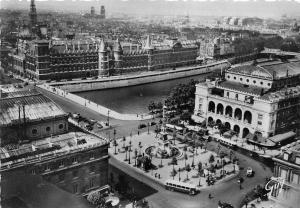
{"x":209,"y":196}
{"x":138,"y":132}
{"x":158,"y":176}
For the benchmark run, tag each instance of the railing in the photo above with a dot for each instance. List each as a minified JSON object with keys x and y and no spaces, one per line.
{"x":231,"y":100}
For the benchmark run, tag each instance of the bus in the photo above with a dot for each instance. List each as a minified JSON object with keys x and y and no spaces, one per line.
{"x":170,"y":128}
{"x":179,"y":186}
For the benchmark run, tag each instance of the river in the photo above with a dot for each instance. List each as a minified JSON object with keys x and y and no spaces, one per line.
{"x":135,"y":99}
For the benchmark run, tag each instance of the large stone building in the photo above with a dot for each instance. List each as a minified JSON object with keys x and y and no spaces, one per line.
{"x":45,"y":60}
{"x":261,"y":99}
{"x":220,"y":47}
{"x":36,"y":140}
{"x":287,"y":167}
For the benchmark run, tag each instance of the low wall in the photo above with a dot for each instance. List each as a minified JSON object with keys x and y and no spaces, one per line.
{"x":125,"y":81}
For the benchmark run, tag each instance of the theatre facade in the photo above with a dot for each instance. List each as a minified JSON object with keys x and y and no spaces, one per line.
{"x":261,"y":99}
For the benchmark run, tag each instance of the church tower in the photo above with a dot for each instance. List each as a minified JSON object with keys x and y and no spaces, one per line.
{"x":118,"y":55}
{"x":32,"y":16}
{"x":103,"y":56}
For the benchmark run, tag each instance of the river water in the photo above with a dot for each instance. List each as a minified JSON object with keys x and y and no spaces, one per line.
{"x":135,"y":99}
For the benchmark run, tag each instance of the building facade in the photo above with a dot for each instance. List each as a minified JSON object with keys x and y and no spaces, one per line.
{"x":287,"y":168}
{"x":218,"y":48}
{"x":56,"y":60}
{"x":36,"y":140}
{"x":262,"y":98}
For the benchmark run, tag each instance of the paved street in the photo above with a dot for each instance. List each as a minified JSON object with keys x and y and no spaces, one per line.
{"x":227,"y":191}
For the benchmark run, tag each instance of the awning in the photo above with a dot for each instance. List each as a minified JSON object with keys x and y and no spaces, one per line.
{"x":281,"y":137}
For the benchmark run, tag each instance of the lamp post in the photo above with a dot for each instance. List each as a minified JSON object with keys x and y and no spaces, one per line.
{"x":129,"y":150}
{"x":148,"y":127}
{"x":108,"y":117}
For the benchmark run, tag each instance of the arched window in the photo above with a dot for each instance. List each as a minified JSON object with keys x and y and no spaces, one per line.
{"x":248,"y":116}
{"x":48,"y":128}
{"x":238,"y":114}
{"x":211,"y":106}
{"x":228,"y":111}
{"x":220,"y":108}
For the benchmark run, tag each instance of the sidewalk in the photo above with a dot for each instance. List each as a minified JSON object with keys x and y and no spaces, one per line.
{"x":240,"y":142}
{"x":264,"y":204}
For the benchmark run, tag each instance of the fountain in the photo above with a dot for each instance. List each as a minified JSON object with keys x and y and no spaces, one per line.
{"x":162,"y":149}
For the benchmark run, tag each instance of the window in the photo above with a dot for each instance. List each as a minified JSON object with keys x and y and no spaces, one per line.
{"x":237,"y":96}
{"x":254,"y":81}
{"x":75,"y":188}
{"x":92,"y":169}
{"x":285,"y":156}
{"x":74,"y":160}
{"x":61,"y":163}
{"x":297,"y":160}
{"x":34,"y":131}
{"x":259,"y":123}
{"x":295,"y":179}
{"x":234,"y":77}
{"x":75,"y":173}
{"x":48,"y":128}
{"x":228,"y":77}
{"x":32,"y":171}
{"x":247,"y":80}
{"x":92,"y":155}
{"x":260,"y":116}
{"x":261,"y":83}
{"x":269,"y":84}
{"x":241,"y":79}
{"x":47,"y":167}
{"x":227,"y":94}
{"x":92,"y":182}
{"x":61,"y":177}
{"x":60,"y":126}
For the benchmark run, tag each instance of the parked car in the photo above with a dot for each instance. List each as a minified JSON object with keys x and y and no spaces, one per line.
{"x":249,"y":172}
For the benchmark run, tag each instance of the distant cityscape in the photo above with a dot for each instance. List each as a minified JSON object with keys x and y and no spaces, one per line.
{"x":214,"y":109}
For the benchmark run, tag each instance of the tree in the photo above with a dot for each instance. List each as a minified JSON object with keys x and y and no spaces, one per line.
{"x":140,"y":148}
{"x":185,"y":155}
{"x":173,"y":173}
{"x":211,"y":158}
{"x":174,"y":161}
{"x":200,"y":168}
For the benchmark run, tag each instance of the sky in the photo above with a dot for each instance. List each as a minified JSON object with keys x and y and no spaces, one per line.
{"x":259,"y":8}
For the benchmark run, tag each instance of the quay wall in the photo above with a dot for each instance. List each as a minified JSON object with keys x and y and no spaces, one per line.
{"x":125,"y":81}
{"x":64,"y":89}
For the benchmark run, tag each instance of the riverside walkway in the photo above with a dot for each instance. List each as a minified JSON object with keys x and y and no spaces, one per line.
{"x":94,"y":106}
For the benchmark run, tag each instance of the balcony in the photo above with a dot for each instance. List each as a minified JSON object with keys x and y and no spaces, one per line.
{"x":239,"y":102}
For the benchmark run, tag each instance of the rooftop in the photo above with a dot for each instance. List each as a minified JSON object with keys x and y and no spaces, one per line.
{"x":47,"y":147}
{"x":270,"y":70}
{"x":241,"y":87}
{"x":37,"y":106}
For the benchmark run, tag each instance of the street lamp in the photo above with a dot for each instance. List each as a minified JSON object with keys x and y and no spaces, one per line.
{"x":108,"y":117}
{"x":148,"y":127}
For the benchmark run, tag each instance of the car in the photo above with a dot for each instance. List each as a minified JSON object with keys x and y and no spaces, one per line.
{"x":76,"y":115}
{"x":249,"y":172}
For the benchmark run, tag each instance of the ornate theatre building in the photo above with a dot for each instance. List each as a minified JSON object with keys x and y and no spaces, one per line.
{"x":261,"y":99}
